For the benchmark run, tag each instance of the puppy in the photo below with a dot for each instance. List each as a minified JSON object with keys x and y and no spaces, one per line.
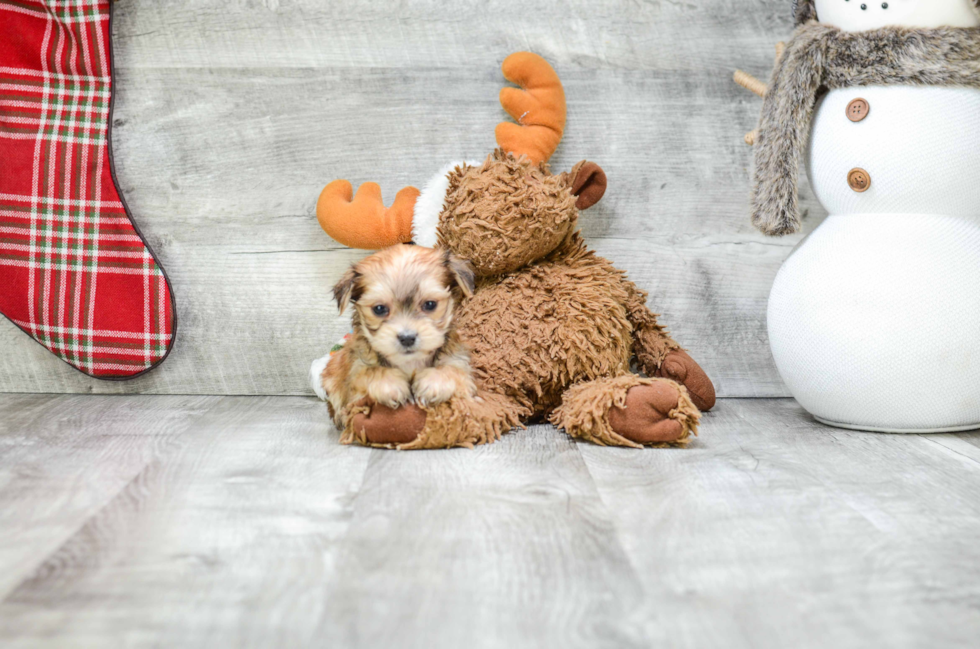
{"x":403,"y":345}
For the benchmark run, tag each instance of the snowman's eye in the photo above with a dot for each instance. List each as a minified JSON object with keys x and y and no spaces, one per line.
{"x":884,"y":5}
{"x":864,"y":7}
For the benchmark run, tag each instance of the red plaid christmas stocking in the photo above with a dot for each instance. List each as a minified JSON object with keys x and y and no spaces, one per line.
{"x":75,"y":273}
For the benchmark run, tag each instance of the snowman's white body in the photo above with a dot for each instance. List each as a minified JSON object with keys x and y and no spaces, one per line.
{"x":874,"y":319}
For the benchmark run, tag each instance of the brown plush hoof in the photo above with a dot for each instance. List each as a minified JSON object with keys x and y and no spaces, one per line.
{"x":681,"y":368}
{"x":644,"y":419}
{"x":386,"y":426}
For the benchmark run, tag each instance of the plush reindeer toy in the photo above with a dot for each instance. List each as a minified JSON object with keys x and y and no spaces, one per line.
{"x":874,"y":320}
{"x":552,"y":327}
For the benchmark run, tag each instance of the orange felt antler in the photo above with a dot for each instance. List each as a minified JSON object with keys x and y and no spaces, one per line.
{"x":538,"y":106}
{"x":365,"y":222}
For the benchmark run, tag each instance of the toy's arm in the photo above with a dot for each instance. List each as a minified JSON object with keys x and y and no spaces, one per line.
{"x":659,"y":355}
{"x":651,"y":342}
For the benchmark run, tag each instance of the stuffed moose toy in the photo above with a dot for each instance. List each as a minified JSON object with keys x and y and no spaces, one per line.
{"x":552,"y":328}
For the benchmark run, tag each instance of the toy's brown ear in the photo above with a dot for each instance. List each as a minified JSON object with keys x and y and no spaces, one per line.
{"x":588,"y":183}
{"x":462,"y":272}
{"x":343,"y":292}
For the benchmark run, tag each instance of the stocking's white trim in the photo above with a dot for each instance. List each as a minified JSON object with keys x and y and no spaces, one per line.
{"x":429,"y":204}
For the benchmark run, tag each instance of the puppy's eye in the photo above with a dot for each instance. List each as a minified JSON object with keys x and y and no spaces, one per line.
{"x":429,"y":306}
{"x":380,"y":310}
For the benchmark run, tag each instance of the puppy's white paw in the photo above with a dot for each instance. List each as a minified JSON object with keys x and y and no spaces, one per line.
{"x":316,"y":376}
{"x":433,"y":386}
{"x":389,"y":390}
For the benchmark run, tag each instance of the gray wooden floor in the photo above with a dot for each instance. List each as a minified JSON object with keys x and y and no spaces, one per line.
{"x":240,"y":521}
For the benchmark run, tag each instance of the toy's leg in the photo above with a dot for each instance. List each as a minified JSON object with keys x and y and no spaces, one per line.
{"x":628,"y":411}
{"x":659,"y":355}
{"x":457,"y":422}
{"x":373,"y":424}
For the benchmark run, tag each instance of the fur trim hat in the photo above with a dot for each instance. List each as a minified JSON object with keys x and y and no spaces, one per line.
{"x":805,"y":10}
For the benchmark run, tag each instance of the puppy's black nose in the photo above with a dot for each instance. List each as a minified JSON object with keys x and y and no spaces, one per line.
{"x":407,"y":338}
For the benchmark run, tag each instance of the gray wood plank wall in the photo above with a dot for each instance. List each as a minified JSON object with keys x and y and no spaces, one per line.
{"x":231,"y":116}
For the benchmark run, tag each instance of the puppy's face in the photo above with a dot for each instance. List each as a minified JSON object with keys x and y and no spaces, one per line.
{"x":404,"y":297}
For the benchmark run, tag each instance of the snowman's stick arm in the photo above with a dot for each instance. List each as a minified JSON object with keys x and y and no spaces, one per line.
{"x":750,"y":83}
{"x":756,"y":86}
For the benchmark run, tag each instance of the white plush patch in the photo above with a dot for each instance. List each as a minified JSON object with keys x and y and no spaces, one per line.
{"x":861,"y":15}
{"x":316,"y":372}
{"x":429,"y":204}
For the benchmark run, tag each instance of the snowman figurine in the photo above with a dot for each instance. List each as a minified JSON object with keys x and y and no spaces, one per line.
{"x":874,"y":319}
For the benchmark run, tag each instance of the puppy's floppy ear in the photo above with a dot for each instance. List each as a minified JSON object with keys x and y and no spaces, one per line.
{"x":344,"y":290}
{"x":462,"y":273}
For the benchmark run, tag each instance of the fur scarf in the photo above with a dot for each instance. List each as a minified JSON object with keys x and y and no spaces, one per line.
{"x":820,"y":57}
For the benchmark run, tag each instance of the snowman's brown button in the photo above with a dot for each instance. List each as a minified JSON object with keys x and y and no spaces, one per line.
{"x":858,"y":110}
{"x":859,"y":180}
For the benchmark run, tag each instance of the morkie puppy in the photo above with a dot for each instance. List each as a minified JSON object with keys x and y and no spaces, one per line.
{"x":403,"y":346}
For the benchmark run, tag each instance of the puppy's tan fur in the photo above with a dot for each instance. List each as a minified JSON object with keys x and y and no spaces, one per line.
{"x":402,"y":282}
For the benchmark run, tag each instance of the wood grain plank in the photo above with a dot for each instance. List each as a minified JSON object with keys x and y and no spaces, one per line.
{"x":227,"y":540}
{"x":62,"y":459}
{"x":505,"y":545}
{"x":965,"y":445}
{"x":781,"y":532}
{"x":417,"y":34}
